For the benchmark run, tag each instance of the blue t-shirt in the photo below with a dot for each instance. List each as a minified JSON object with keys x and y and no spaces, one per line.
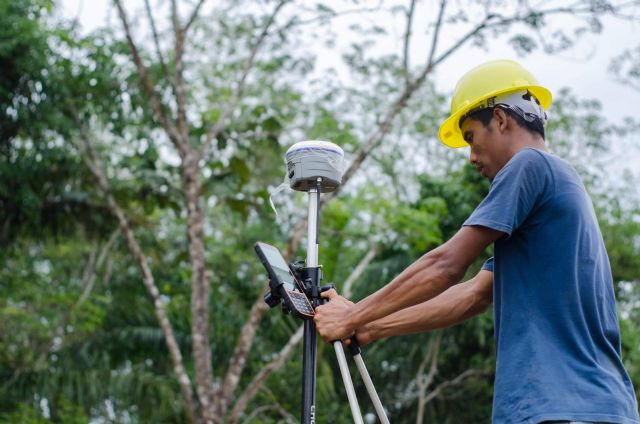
{"x":556,"y":329}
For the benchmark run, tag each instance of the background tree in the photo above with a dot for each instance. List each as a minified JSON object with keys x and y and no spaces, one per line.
{"x":133,"y":155}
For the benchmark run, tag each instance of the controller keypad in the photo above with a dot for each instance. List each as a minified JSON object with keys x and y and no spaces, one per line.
{"x":301,"y":303}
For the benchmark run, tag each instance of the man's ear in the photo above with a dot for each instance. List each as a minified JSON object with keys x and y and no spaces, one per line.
{"x":502,"y":119}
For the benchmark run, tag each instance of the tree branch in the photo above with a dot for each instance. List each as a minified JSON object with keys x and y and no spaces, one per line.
{"x":221,"y":124}
{"x":200,"y":277}
{"x":434,"y":351}
{"x":93,"y":163}
{"x":90,"y":281}
{"x":247,"y":333}
{"x":107,"y":274}
{"x":178,"y":80}
{"x":373,"y":141}
{"x":193,"y":16}
{"x":200,"y":286}
{"x":436,"y":33}
{"x":147,"y":85}
{"x":156,"y":40}
{"x":407,"y":42}
{"x":347,"y":12}
{"x":239,"y":358}
{"x":431,"y":64}
{"x":472,"y":372}
{"x":265,"y":372}
{"x":493,"y":21}
{"x":425,"y":381}
{"x":289,"y":419}
{"x":358,"y":270}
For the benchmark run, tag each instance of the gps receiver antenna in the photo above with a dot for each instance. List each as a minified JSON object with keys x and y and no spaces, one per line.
{"x":316,"y":167}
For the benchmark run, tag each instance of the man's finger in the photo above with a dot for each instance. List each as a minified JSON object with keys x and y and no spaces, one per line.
{"x":329,"y":294}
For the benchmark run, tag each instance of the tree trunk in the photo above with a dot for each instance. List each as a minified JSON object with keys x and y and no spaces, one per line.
{"x":200,"y":287}
{"x":184,"y":382}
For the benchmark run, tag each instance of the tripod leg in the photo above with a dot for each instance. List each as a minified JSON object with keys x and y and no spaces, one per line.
{"x":382,"y":415}
{"x":309,"y":374}
{"x":348,"y":384}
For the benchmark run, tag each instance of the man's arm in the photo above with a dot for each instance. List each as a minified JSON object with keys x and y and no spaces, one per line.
{"x":429,"y":276}
{"x":455,"y":305}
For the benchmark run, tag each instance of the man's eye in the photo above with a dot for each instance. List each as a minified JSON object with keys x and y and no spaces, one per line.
{"x":468,"y":137}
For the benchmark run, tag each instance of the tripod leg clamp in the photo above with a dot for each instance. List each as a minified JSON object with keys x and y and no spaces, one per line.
{"x":354,"y":346}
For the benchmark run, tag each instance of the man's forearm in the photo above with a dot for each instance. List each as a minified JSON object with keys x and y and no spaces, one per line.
{"x":457,"y":304}
{"x":425,"y":279}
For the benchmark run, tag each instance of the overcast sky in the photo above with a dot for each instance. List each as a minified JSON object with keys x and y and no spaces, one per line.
{"x":584,"y":68}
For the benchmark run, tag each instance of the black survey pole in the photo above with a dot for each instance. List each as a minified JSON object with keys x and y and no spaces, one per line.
{"x":309,"y":374}
{"x":313,"y":288}
{"x":315,"y":166}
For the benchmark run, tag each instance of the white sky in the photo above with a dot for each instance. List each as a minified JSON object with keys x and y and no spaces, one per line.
{"x":584,"y":69}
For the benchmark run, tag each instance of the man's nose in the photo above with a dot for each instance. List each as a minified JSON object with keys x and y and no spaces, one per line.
{"x":473,"y":158}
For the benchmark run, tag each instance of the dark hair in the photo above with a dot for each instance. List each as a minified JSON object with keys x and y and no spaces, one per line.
{"x":485,"y":115}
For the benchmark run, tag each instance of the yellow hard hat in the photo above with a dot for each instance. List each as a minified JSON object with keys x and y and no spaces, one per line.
{"x":488,"y":80}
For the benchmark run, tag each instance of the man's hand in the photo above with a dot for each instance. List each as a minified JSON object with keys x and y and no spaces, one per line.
{"x":364,"y":335}
{"x":332,"y":318}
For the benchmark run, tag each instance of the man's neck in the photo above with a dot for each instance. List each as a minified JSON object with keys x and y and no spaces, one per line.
{"x":524,"y":139}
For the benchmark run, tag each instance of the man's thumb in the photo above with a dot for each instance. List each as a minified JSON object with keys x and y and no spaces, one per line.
{"x":329,"y":294}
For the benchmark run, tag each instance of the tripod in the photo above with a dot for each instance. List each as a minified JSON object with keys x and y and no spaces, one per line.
{"x":314,"y":167}
{"x":310,"y":335}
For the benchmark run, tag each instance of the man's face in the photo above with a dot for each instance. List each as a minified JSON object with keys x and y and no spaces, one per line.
{"x":486,"y":155}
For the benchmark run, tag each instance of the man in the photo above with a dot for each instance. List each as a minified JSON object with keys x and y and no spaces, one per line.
{"x":556,"y":329}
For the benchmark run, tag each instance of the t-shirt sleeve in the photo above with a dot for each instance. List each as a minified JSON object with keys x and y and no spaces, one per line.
{"x":488,"y":265}
{"x":515,"y":192}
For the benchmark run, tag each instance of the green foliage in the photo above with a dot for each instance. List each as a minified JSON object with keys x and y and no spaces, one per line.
{"x":23,"y":56}
{"x":66,"y":412}
{"x":68,"y":358}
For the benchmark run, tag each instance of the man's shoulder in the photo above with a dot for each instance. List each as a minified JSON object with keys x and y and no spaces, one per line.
{"x":527,"y":162}
{"x":540,"y":158}
{"x":533,"y":156}
{"x":536,"y":162}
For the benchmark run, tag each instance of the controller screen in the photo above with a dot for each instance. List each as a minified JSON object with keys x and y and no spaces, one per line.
{"x":280,"y":267}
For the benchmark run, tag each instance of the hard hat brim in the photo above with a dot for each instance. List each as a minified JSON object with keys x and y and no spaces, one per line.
{"x":450,"y":134}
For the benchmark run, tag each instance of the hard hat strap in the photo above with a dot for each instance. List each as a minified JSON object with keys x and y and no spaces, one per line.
{"x":521,"y":102}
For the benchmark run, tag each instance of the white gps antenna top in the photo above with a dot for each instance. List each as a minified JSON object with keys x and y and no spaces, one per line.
{"x":316,"y":167}
{"x":309,"y":160}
